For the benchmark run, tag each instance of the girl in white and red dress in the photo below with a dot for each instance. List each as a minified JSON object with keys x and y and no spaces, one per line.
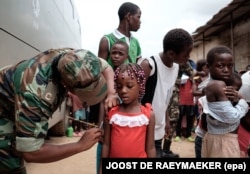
{"x":129,"y":127}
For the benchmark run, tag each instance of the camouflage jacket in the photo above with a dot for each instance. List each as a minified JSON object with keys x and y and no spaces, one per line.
{"x":28,"y":97}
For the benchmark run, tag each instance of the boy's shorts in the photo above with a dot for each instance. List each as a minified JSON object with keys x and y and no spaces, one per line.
{"x":80,"y":115}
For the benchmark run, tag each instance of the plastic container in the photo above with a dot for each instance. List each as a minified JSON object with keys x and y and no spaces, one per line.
{"x":70,"y":131}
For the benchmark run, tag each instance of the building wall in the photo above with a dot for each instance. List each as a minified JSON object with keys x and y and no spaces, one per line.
{"x":199,"y":53}
{"x":242,"y":45}
{"x":241,"y":48}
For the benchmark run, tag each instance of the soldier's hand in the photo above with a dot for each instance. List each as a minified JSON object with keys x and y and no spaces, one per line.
{"x":90,"y":137}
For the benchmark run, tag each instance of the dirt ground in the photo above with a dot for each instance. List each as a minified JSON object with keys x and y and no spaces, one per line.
{"x":85,"y":162}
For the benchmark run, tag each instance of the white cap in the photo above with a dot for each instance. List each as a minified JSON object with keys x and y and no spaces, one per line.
{"x":245,"y":88}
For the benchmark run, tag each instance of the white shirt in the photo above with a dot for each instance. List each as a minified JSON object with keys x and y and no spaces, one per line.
{"x":166,"y":78}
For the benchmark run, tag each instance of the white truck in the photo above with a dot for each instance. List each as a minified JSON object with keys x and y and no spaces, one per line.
{"x":28,"y":27}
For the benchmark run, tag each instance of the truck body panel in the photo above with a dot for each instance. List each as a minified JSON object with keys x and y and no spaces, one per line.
{"x":28,"y":27}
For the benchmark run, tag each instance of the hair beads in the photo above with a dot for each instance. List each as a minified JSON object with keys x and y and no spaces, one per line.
{"x":134,"y":71}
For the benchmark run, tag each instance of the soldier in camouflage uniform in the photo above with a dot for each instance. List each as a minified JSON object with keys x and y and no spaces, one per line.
{"x":173,"y":109}
{"x":33,"y":89}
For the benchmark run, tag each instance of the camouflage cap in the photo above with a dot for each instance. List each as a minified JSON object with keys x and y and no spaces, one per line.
{"x":245,"y":88}
{"x":81,"y":71}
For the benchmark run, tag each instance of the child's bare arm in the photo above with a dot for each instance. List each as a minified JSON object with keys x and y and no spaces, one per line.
{"x":215,"y":91}
{"x":146,"y":67}
{"x":106,"y":139}
{"x":103,"y":48}
{"x":106,"y":142}
{"x":150,"y":145}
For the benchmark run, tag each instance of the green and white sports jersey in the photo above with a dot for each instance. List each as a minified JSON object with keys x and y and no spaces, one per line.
{"x":134,"y":46}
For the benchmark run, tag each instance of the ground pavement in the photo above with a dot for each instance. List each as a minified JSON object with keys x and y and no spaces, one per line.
{"x":85,"y":162}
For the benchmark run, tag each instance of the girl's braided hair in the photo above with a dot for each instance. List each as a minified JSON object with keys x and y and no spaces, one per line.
{"x":134,"y":71}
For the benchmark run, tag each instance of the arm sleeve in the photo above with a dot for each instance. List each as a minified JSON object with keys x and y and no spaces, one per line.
{"x":225,"y":112}
{"x":151,"y":63}
{"x":31,"y":123}
{"x":34,"y":107}
{"x":104,"y":64}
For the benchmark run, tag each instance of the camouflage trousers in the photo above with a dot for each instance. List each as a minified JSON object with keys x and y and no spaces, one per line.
{"x":11,"y":161}
{"x":173,"y":110}
{"x":173,"y":107}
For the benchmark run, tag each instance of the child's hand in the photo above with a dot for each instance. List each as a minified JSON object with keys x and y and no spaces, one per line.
{"x":232,"y":94}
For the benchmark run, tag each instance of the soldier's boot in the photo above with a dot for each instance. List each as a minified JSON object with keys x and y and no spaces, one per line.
{"x":167,"y":153}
